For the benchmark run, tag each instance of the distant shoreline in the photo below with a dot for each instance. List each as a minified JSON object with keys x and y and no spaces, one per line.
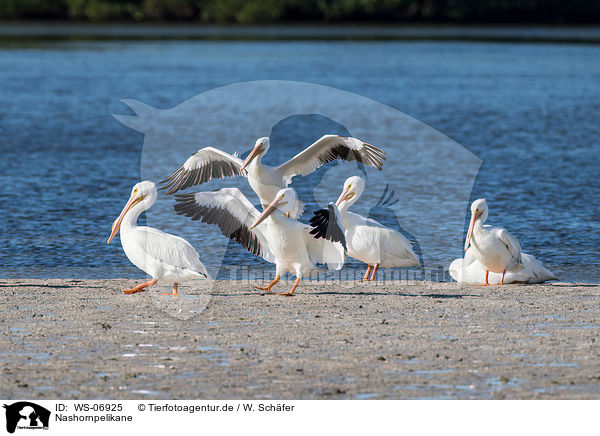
{"x":66,"y":31}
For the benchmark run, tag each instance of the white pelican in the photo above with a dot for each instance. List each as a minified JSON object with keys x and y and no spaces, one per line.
{"x":285,"y":242}
{"x":158,"y":254}
{"x":496,"y":249}
{"x":369,"y":241}
{"x":210,"y":163}
{"x":469,"y":270}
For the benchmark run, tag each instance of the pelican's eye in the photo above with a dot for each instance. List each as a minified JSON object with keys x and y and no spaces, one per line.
{"x":135,"y":191}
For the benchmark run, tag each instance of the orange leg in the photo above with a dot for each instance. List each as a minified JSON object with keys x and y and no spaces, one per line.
{"x":140,"y":288}
{"x":369,"y":268}
{"x":487,"y":273}
{"x":287,"y":214}
{"x":289,"y":294}
{"x":174,"y":293}
{"x":269,"y":286}
{"x":374,"y":272}
{"x":502,"y":281}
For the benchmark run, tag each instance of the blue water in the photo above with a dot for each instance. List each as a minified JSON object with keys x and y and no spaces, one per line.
{"x":531,"y":112}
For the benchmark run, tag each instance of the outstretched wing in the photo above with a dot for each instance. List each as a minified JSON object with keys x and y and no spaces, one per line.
{"x":327,"y":224}
{"x":324,"y":252}
{"x":325,"y":240}
{"x":204,"y":165}
{"x":330,"y":148}
{"x":229,"y":209}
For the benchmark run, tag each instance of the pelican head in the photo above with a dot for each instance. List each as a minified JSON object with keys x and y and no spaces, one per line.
{"x":479,"y":211}
{"x":142,"y":194}
{"x":353,"y":189}
{"x":262,"y":146}
{"x":284,"y":201}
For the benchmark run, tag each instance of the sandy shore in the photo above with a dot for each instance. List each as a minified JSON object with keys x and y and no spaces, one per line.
{"x":84,"y":339}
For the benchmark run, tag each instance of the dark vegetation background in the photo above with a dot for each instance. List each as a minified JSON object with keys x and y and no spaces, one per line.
{"x":307,"y":11}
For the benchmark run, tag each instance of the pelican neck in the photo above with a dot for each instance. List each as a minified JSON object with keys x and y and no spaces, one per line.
{"x":130,"y":219}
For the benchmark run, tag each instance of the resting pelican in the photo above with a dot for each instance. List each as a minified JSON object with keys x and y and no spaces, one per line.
{"x":158,"y":254}
{"x":369,"y":241}
{"x":210,"y":163}
{"x":285,"y":242}
{"x":495,"y":248}
{"x":469,"y":270}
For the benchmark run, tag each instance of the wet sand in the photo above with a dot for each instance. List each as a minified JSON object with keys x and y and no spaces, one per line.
{"x":84,"y":339}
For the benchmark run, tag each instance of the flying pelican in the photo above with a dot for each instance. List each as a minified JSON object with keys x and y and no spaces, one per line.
{"x":211,"y":163}
{"x":494,"y":248}
{"x":285,"y":242}
{"x":369,"y":241}
{"x":469,"y":270}
{"x":158,"y":254}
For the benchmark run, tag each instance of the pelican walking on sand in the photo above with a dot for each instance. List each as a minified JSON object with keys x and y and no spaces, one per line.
{"x":285,"y":242}
{"x":210,"y":163}
{"x":369,"y":241}
{"x":158,"y":254}
{"x":493,"y":247}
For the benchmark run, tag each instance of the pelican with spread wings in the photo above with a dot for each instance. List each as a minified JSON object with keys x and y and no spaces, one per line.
{"x":285,"y":242}
{"x":211,"y":163}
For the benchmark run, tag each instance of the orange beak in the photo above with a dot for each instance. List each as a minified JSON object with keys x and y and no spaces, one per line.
{"x":344,"y":196}
{"x":470,"y":232}
{"x":268,"y":211}
{"x":255,"y":152}
{"x":117,"y":224}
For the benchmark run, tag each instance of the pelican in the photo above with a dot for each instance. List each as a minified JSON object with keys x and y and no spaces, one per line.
{"x":369,"y":241}
{"x":469,"y":270}
{"x":285,"y":242}
{"x":210,"y":163}
{"x":158,"y":254}
{"x":493,"y":247}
